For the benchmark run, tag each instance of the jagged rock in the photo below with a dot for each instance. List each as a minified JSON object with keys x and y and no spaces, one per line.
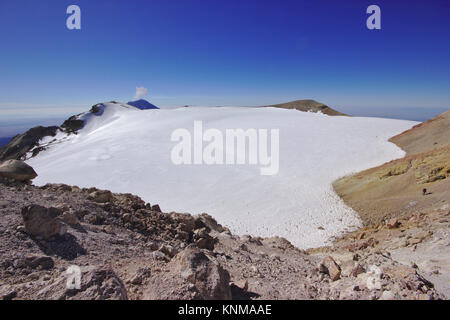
{"x":72,"y":124}
{"x":17,"y":170}
{"x":330,"y":267}
{"x":97,"y":283}
{"x":101,"y":196}
{"x":358,"y":269}
{"x":156,"y":208}
{"x":205,"y":220}
{"x":42,"y":222}
{"x":209,"y":278}
{"x":203,"y":240}
{"x":185,"y":221}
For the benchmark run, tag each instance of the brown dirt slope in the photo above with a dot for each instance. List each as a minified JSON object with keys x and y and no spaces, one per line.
{"x":395,"y":189}
{"x":426,"y":136}
{"x":308,"y":105}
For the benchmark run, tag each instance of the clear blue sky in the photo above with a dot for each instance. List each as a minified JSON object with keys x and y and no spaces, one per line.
{"x":216,"y":52}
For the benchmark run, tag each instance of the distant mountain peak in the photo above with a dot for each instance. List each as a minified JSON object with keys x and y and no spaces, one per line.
{"x":309,"y":105}
{"x":142,"y":104}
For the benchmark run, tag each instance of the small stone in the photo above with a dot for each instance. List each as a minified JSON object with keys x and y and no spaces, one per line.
{"x":358,"y":269}
{"x":275,"y":256}
{"x":168,"y":250}
{"x":158,"y":255}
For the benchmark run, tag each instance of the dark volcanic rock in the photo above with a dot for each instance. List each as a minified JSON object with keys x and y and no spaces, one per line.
{"x":72,"y":124}
{"x":18,"y":147}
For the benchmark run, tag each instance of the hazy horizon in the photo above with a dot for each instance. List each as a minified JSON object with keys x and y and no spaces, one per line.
{"x":239,"y":53}
{"x":9,"y":128}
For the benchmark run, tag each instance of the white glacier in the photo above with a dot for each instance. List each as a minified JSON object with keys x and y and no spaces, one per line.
{"x":128,"y":150}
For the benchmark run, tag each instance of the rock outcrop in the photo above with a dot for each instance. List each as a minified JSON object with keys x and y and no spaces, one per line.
{"x":21,"y":144}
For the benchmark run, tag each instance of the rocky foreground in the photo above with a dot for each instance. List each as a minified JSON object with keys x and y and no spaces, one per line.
{"x":129,"y":249}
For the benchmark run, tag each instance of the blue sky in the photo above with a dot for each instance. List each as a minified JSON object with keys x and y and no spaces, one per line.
{"x":214,"y":52}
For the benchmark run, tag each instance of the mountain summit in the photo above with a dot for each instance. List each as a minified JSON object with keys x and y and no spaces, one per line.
{"x":309,"y":105}
{"x":142,"y":104}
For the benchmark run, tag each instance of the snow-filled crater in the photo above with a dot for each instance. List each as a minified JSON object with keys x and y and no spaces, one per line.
{"x":129,"y":150}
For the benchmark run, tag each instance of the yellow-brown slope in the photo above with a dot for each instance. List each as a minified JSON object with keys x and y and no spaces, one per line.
{"x":396,"y":188}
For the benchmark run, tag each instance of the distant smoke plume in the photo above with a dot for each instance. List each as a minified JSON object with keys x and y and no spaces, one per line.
{"x":140,"y":93}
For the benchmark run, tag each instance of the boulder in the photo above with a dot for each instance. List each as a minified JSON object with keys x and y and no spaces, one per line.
{"x":208,"y":277}
{"x":97,"y":283}
{"x":17,"y":170}
{"x":42,"y":222}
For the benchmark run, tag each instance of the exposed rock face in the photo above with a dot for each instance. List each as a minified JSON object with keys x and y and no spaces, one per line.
{"x":73,"y":124}
{"x":18,"y":147}
{"x":42,"y":222}
{"x":17,"y":170}
{"x":209,"y":278}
